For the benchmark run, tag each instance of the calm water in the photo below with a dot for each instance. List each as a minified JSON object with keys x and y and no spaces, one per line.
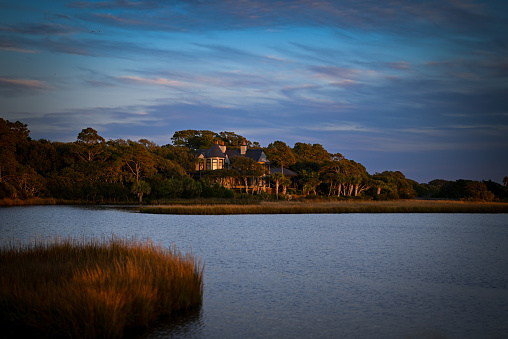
{"x":317,"y":276}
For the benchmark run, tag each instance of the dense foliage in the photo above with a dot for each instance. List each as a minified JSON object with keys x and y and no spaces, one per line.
{"x":95,"y":170}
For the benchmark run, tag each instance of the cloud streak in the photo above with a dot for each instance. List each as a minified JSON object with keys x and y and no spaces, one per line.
{"x":11,"y":86}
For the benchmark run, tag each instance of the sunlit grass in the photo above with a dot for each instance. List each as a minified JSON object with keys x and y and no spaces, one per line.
{"x":395,"y":206}
{"x":94,"y":288}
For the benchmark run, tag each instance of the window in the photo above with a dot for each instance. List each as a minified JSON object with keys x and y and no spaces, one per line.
{"x":208,"y":164}
{"x":214,"y":164}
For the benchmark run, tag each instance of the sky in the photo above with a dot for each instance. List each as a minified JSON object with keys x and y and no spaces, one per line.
{"x":414,"y":86}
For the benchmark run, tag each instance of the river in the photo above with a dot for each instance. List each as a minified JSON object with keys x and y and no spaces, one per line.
{"x":316,"y":276}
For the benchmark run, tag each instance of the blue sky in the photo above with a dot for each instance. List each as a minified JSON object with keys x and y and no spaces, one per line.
{"x":415,"y":86}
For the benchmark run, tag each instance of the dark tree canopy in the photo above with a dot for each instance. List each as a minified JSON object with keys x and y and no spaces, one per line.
{"x":203,"y":139}
{"x":310,"y":153}
{"x":280,"y":154}
{"x":92,"y":169}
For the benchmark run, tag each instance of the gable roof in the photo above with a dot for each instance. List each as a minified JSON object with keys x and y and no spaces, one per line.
{"x":255,"y":154}
{"x":287,"y":172}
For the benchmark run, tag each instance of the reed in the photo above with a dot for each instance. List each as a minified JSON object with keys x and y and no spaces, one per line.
{"x":398,"y":206}
{"x":96,"y":288}
{"x":31,"y":201}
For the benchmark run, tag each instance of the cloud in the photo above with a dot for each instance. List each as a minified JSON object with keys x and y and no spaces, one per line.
{"x":342,"y":127}
{"x":152,"y":82}
{"x":336,"y":72}
{"x":40,"y":29}
{"x":274,"y":14}
{"x":187,"y":88}
{"x":114,"y":19}
{"x":10,"y":86}
{"x":118,"y":4}
{"x":14,"y":48}
{"x":400,"y":65}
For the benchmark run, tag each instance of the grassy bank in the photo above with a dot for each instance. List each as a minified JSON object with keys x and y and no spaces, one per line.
{"x":395,"y":206}
{"x":199,"y":201}
{"x":94,"y":288}
{"x":25,"y":202}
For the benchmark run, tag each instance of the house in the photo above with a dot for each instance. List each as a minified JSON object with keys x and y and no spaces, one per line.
{"x":218,"y":157}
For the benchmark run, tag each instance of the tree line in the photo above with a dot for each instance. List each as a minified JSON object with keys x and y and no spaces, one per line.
{"x":93,"y":169}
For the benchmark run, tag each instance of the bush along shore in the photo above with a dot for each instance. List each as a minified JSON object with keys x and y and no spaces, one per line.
{"x":97,"y":288}
{"x":398,"y":206}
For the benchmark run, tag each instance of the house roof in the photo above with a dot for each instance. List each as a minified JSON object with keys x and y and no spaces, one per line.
{"x":215,"y":152}
{"x":255,"y":154}
{"x":287,"y":172}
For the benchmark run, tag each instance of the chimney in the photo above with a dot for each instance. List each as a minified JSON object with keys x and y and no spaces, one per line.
{"x":223,"y":148}
{"x":243,"y":148}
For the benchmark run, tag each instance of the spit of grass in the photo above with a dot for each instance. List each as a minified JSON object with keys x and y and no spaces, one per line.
{"x":96,"y":288}
{"x":396,"y":206}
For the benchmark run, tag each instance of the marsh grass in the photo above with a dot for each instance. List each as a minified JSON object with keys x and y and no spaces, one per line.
{"x":95,"y":288}
{"x":396,"y":206}
{"x":24,"y":202}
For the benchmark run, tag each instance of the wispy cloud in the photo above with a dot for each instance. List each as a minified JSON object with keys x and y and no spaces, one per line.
{"x":40,"y":29}
{"x":118,"y":4}
{"x":14,"y":48}
{"x":152,"y":81}
{"x":199,"y":15}
{"x":342,"y":127}
{"x":16,"y":86}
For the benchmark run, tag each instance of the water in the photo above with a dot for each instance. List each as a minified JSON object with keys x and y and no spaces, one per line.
{"x":317,"y":276}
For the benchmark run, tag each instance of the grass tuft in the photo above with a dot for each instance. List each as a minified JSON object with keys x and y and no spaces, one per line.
{"x":95,"y":288}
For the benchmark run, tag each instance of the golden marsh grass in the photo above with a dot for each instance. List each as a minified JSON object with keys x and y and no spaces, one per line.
{"x":94,"y":288}
{"x":303,"y":207}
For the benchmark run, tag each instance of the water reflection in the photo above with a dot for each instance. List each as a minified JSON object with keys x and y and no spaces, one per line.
{"x":183,"y":324}
{"x":317,"y":276}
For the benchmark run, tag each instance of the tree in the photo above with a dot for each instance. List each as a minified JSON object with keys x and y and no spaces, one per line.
{"x":89,"y":144}
{"x":202,"y":139}
{"x":395,"y":186}
{"x":277,"y":178}
{"x":140,"y":188}
{"x":476,"y":190}
{"x":347,"y":177}
{"x":224,"y":176}
{"x":181,"y":155}
{"x":12,"y":134}
{"x":41,"y":155}
{"x":233,"y":139}
{"x":310,"y":153}
{"x":247,"y":168}
{"x":505,"y":181}
{"x":194,"y":139}
{"x":280,"y":153}
{"x":138,"y":161}
{"x":310,"y":185}
{"x":284,"y":182}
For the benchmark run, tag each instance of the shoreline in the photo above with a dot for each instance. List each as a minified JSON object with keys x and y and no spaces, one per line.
{"x":393,"y":206}
{"x":214,"y":207}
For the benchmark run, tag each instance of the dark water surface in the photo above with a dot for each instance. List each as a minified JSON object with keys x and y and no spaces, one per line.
{"x":317,"y":276}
